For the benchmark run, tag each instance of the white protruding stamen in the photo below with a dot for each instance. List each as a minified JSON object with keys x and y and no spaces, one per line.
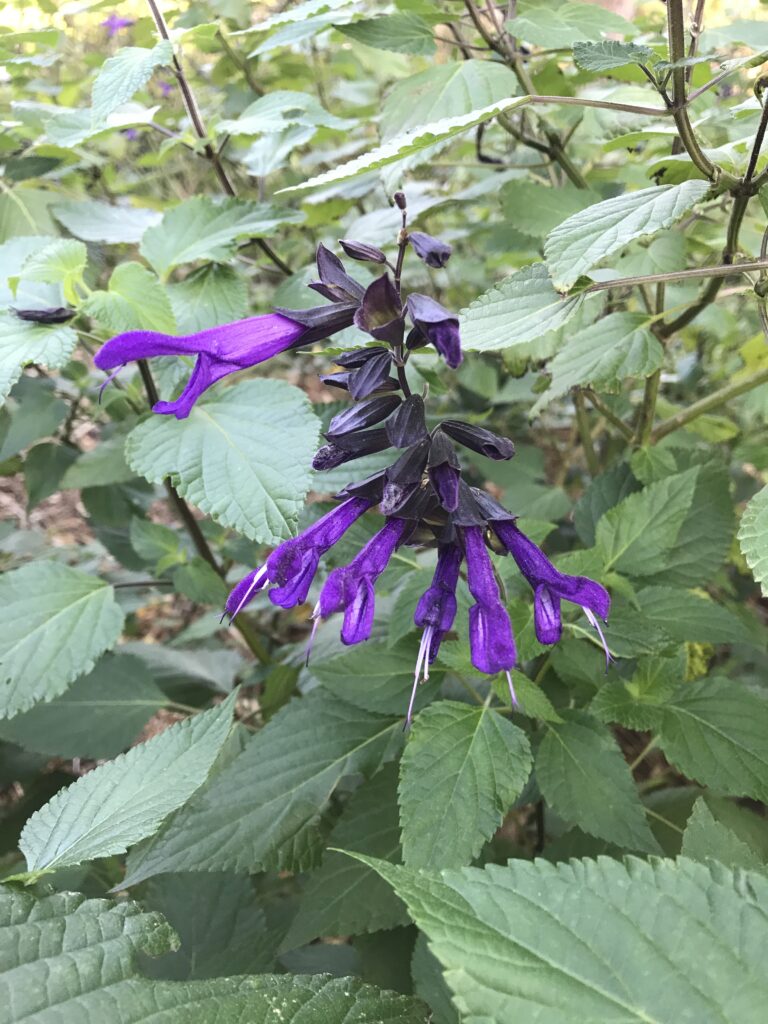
{"x":316,"y":620}
{"x":592,"y":620}
{"x":421,"y":661}
{"x":512,"y":694}
{"x":260,"y":575}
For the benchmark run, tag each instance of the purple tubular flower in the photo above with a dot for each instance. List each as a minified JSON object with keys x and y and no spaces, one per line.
{"x":490,"y":631}
{"x":550,"y":586}
{"x":351,"y":587}
{"x":293,"y":564}
{"x":430,"y":249}
{"x":114,"y":23}
{"x":444,"y":471}
{"x":435,"y":613}
{"x":438,"y":325}
{"x":219,"y":350}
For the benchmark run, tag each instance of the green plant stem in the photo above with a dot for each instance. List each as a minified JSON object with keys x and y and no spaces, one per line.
{"x":648,"y":409}
{"x":677,"y":52}
{"x":650,"y":745}
{"x":582,"y":420}
{"x":193,"y":111}
{"x":623,"y":428}
{"x":196,"y":534}
{"x":757,"y":145}
{"x":722,"y":270}
{"x":705,"y":405}
{"x":240,"y":63}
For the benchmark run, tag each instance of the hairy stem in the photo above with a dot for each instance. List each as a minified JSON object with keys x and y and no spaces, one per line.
{"x":722,"y":270}
{"x":623,"y":428}
{"x":705,"y":405}
{"x":582,"y":420}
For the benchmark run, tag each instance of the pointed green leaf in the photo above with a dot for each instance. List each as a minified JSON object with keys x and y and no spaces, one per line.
{"x":94,"y":221}
{"x":753,"y":537}
{"x":22,"y":343}
{"x":401,"y":33}
{"x":609,"y":54}
{"x":706,"y":838}
{"x":135,"y":300}
{"x":123,"y":75}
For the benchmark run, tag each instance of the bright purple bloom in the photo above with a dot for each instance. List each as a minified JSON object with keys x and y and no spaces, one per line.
{"x":439,"y":326}
{"x":490,"y":630}
{"x":219,"y":350}
{"x":550,"y":586}
{"x":114,"y":23}
{"x":350,"y":587}
{"x":435,"y":612}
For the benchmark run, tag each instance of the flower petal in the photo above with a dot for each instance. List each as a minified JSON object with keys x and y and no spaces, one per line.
{"x":490,"y":638}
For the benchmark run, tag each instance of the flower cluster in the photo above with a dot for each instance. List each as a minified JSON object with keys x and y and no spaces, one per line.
{"x":422,"y":495}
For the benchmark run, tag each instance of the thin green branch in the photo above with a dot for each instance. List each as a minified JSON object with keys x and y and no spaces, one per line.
{"x":705,"y":405}
{"x":722,"y":270}
{"x":582,"y":420}
{"x":623,"y":428}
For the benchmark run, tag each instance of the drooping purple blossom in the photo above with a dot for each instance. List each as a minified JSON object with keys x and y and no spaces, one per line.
{"x":550,"y":586}
{"x":115,"y":24}
{"x":433,"y":251}
{"x":292,"y":565}
{"x":439,"y":326}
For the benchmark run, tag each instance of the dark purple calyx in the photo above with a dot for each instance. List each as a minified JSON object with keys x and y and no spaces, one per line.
{"x":404,"y":478}
{"x":438,"y":325}
{"x":57,"y":315}
{"x":372,"y":376}
{"x":380,"y":313}
{"x":335,"y":283}
{"x":362,"y":415}
{"x":362,"y":251}
{"x":480,"y":440}
{"x":430,"y":249}
{"x":408,"y":425}
{"x":348,"y":447}
{"x":444,"y":471}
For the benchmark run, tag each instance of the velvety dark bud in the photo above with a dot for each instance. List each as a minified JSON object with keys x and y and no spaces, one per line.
{"x":358,"y":357}
{"x":418,"y":505}
{"x":334,"y":276}
{"x":399,"y":200}
{"x":357,"y":417}
{"x":440,"y":326}
{"x":444,"y":471}
{"x":59,"y":315}
{"x":404,"y":477}
{"x":467,"y":512}
{"x":321,"y":321}
{"x":371,"y":376}
{"x":491,"y":509}
{"x":336,"y":380}
{"x":407,"y":426}
{"x":361,"y":251}
{"x":434,"y":252}
{"x":415,"y":339}
{"x":362,"y":442}
{"x":479,"y":439}
{"x":381,"y":314}
{"x":372,"y":487}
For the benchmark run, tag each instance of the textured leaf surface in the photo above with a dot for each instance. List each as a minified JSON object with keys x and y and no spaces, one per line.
{"x":541,"y":23}
{"x":609,"y":54}
{"x":125,"y":800}
{"x":134,"y":300}
{"x":714,"y":732}
{"x":123,"y":75}
{"x":280,"y":109}
{"x":22,"y":343}
{"x":211,"y":295}
{"x":604,"y":355}
{"x":344,"y":896}
{"x":584,"y":240}
{"x":242,"y":457}
{"x":583,"y":776}
{"x":68,"y":960}
{"x":692,"y":617}
{"x":706,"y":838}
{"x":522,"y":308}
{"x":402,"y":33}
{"x":579,"y":941}
{"x":262,"y":811}
{"x":94,"y":221}
{"x":97,"y":717}
{"x":56,"y":622}
{"x":753,"y":537}
{"x":461,"y":771}
{"x":200,"y":228}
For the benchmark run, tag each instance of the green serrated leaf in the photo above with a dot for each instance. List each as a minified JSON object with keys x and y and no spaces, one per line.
{"x":705,"y":838}
{"x":101,"y":466}
{"x":461,"y":771}
{"x":57,"y":622}
{"x":211,"y":295}
{"x":753,"y":537}
{"x":522,"y":308}
{"x":693,"y":618}
{"x":585,"y":779}
{"x":61,"y":262}
{"x":281,"y":109}
{"x":123,"y":75}
{"x":609,"y":54}
{"x":586,"y":239}
{"x":242,"y":457}
{"x":124,"y":801}
{"x":135,"y":300}
{"x":94,"y":221}
{"x":22,"y":343}
{"x":545,"y":24}
{"x":401,"y":33}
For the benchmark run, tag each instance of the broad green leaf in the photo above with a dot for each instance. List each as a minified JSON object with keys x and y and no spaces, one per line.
{"x":706,"y":838}
{"x":377,"y":678}
{"x":211,"y":295}
{"x":579,"y":941}
{"x":22,"y":343}
{"x":296,"y":12}
{"x":223,"y":930}
{"x":635,"y":703}
{"x":545,"y":24}
{"x":462,"y":769}
{"x":124,"y":801}
{"x":453,"y":89}
{"x":523,"y":307}
{"x":402,"y":33}
{"x":44,"y":467}
{"x":56,"y":622}
{"x":94,"y":221}
{"x":281,"y":109}
{"x":32,"y":411}
{"x":753,"y":537}
{"x":154,"y":542}
{"x":295,"y":32}
{"x":602,"y":494}
{"x":636,"y":535}
{"x":61,"y":262}
{"x":714,"y":732}
{"x":242,"y":457}
{"x":203,"y":229}
{"x":101,"y":466}
{"x":263,"y":810}
{"x":535,"y":208}
{"x":693,"y":618}
{"x":584,"y":778}
{"x":76,"y":961}
{"x":589,"y":237}
{"x":135,"y":300}
{"x":69,"y":128}
{"x":121,"y":76}
{"x":429,"y":983}
{"x":603,"y":355}
{"x":408,"y":143}
{"x":609,"y":54}
{"x":344,"y":897}
{"x":199,"y":581}
{"x":98,"y":716}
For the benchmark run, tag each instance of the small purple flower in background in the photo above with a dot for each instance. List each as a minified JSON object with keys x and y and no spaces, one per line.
{"x":166,"y":88}
{"x":550,"y":586}
{"x":131,"y":134}
{"x":114,"y":24}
